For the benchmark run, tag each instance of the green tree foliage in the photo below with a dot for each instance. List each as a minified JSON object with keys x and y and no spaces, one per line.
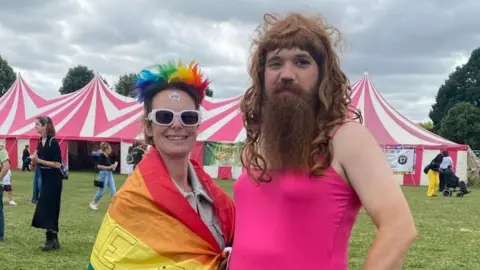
{"x":462,"y":124}
{"x":209,"y":92}
{"x":124,"y":84}
{"x":463,"y":85}
{"x":76,"y":78}
{"x":7,"y":76}
{"x":426,"y":125}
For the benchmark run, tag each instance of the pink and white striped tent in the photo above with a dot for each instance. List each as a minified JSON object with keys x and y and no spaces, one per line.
{"x":96,"y":113}
{"x":391,"y":129}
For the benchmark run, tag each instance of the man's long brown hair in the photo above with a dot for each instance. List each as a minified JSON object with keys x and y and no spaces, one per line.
{"x":314,"y":35}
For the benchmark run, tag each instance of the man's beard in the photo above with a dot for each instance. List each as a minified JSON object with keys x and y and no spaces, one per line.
{"x":288,"y":127}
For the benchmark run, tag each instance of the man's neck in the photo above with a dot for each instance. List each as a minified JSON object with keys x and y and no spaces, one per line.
{"x":178,"y":170}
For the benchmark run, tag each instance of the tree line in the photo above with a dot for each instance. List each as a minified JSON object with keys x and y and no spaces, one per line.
{"x":76,"y":78}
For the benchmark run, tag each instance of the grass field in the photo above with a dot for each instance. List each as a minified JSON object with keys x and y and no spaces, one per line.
{"x":449,"y":229}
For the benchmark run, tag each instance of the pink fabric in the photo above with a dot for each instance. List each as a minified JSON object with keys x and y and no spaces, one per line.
{"x":293,"y":222}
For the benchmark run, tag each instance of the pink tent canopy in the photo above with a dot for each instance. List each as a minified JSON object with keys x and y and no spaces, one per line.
{"x":390,"y":127}
{"x":95,"y":112}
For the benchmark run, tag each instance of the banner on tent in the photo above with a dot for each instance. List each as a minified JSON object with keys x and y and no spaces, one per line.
{"x":217,"y":153}
{"x":401,"y":159}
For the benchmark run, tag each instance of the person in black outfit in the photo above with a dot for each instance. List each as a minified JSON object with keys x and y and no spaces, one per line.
{"x":26,"y":159}
{"x":48,"y":157}
{"x":136,"y":153}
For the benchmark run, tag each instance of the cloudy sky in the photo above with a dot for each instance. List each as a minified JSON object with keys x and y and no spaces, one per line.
{"x":408,"y":47}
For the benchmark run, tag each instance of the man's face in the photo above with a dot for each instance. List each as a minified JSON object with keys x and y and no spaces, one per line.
{"x":293,"y":67}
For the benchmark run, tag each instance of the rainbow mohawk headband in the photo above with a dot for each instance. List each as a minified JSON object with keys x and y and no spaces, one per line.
{"x":170,"y":73}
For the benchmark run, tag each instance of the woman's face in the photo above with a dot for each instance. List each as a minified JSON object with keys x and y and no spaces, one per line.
{"x":108,"y":151}
{"x":39,"y":127}
{"x":173,"y":138}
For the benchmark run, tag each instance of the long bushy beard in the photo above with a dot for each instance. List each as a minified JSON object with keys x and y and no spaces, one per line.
{"x":287,"y":131}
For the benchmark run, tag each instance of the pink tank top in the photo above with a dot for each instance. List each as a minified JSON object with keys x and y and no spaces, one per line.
{"x":293,"y":222}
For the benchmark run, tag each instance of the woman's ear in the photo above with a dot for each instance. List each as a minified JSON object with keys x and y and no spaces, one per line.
{"x":147,"y":127}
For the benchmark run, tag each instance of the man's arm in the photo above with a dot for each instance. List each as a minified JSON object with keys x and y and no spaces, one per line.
{"x":371,"y":177}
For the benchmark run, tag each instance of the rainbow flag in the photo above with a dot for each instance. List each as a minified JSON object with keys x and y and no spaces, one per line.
{"x":150,"y":225}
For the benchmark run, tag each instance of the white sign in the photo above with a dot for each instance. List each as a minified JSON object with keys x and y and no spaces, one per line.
{"x":401,"y":160}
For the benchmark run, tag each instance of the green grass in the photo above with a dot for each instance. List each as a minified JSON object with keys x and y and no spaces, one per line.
{"x":449,"y":229}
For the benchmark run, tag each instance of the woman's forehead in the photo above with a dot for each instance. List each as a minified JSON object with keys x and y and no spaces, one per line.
{"x":173,"y":99}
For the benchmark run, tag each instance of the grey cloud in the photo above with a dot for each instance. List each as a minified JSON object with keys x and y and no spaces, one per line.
{"x":407,"y":46}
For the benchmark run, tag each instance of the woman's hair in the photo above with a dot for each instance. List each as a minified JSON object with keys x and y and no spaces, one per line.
{"x":155,"y":90}
{"x":47,"y":121}
{"x":155,"y":79}
{"x":438,"y":158}
{"x":333,"y":93}
{"x":445,"y":153}
{"x":104,"y":146}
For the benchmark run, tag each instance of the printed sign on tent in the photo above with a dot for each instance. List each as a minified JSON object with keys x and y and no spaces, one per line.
{"x":401,"y":159}
{"x":217,"y":153}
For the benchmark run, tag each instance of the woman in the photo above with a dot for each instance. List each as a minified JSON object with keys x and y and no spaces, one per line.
{"x":48,"y":158}
{"x":169,"y":213}
{"x":105,"y":168}
{"x":433,"y":175}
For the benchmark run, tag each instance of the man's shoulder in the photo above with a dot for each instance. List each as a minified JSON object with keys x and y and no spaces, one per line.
{"x":352,"y":135}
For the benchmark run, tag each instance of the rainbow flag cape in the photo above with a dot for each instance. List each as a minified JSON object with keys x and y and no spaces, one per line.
{"x":150,"y":225}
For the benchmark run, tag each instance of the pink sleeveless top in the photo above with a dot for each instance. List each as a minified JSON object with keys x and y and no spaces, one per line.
{"x":293,"y":222}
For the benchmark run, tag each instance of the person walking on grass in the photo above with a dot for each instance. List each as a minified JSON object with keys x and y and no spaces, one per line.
{"x":105,"y":172}
{"x":7,"y":186}
{"x":4,"y":169}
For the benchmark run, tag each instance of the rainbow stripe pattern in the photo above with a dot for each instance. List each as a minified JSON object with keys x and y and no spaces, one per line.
{"x":150,"y":225}
{"x":168,"y":73}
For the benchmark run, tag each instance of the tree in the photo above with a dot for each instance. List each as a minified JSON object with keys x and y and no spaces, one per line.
{"x":124,"y":85}
{"x":426,"y":125}
{"x":7,"y":76}
{"x":463,"y":85}
{"x":462,"y":124}
{"x":76,"y":78}
{"x":209,"y":92}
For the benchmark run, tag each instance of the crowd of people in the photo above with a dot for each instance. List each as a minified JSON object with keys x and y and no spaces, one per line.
{"x":304,"y":181}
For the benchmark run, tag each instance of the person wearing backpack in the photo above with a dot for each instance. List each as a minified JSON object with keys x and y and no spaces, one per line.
{"x":136,"y":153}
{"x":433,"y":175}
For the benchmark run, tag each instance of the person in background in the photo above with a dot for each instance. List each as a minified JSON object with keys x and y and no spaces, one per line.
{"x":433,"y":175}
{"x":310,"y":165}
{"x":105,"y":174}
{"x":170,"y":213}
{"x":7,"y":186}
{"x":48,"y":158}
{"x":446,"y":169}
{"x":4,"y":169}
{"x":26,"y":159}
{"x":37,"y":181}
{"x":136,"y":154}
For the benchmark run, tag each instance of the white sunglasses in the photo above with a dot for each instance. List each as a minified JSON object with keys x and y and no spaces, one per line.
{"x":165,"y":117}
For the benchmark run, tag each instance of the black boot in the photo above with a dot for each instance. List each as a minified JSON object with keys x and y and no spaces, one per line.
{"x":56,"y":243}
{"x":50,"y":242}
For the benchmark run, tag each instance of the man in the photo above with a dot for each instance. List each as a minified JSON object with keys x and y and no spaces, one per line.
{"x":5,"y":168}
{"x":309,"y":166}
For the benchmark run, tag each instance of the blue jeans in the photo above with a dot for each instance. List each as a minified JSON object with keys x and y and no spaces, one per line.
{"x":108,"y":181}
{"x":2,"y":216}
{"x":37,"y":184}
